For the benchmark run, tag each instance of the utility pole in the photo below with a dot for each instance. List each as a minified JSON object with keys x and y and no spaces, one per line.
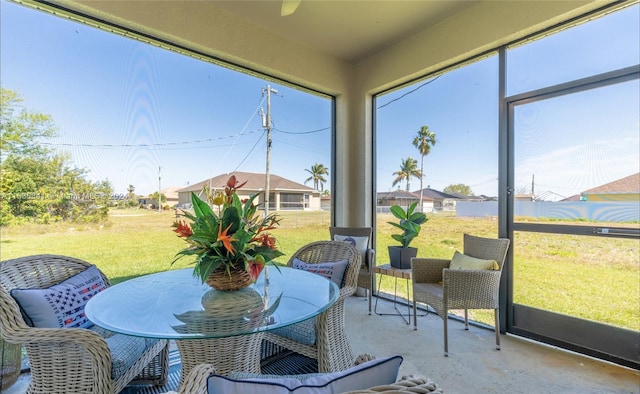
{"x":533,"y":186}
{"x":266,"y":123}
{"x":159,"y":188}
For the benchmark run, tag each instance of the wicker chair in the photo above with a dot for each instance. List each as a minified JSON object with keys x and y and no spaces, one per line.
{"x":196,"y":382}
{"x":10,"y":363}
{"x":443,"y":289}
{"x":365,"y":275}
{"x":65,"y":360}
{"x":331,"y":347}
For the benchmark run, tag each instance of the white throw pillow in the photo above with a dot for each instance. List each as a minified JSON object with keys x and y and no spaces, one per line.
{"x":61,"y":305}
{"x":376,"y":372}
{"x":333,"y":270}
{"x":360,"y":243}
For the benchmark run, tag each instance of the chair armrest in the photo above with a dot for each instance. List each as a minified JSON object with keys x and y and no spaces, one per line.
{"x":427,"y":270}
{"x":478,"y":285}
{"x":363,"y":358}
{"x":345,"y":292}
{"x":64,"y":346}
{"x":196,"y":380}
{"x":407,"y":384}
{"x":63,"y":337}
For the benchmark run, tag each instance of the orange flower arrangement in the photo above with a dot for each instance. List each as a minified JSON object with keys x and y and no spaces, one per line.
{"x":237,"y":236}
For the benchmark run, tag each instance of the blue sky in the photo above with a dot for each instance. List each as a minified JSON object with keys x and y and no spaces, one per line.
{"x":124,"y":109}
{"x":110,"y":95}
{"x":567,"y":144}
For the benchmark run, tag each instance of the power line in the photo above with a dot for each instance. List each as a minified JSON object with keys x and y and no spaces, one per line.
{"x":250,"y":150}
{"x":409,"y":92}
{"x":302,"y":132}
{"x":152,"y":144}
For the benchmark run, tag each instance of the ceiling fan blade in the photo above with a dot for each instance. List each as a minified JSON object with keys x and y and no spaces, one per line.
{"x":289,"y":7}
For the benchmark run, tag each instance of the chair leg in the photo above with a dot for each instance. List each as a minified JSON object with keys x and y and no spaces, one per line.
{"x":497,"y":328}
{"x":446,"y":335}
{"x":372,"y":286}
{"x":466,"y":319}
{"x":415,"y":315}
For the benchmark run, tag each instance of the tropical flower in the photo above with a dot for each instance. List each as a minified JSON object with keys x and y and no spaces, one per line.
{"x":236,"y":236}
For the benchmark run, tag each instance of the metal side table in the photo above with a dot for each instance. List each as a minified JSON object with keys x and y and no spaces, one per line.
{"x":397,"y":273}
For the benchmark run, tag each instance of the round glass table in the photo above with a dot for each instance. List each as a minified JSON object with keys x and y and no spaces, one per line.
{"x":210,"y":326}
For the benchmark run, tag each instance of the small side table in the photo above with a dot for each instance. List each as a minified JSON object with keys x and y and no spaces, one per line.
{"x":397,"y":273}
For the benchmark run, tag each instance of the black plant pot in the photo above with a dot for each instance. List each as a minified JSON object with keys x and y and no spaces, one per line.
{"x":401,"y":257}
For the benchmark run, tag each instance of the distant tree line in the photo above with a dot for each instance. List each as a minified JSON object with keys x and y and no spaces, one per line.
{"x":36,"y":183}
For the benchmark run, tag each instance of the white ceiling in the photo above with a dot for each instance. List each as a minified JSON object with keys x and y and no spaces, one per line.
{"x":350,"y":30}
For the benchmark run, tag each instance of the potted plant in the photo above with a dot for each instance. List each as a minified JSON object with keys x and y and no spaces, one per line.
{"x":232,"y":246}
{"x":409,"y":223}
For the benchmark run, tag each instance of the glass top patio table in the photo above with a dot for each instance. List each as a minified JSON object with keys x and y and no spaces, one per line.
{"x":175,"y":305}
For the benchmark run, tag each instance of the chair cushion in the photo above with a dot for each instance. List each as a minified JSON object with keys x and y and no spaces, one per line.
{"x":303,"y":332}
{"x":372,"y":373}
{"x":125,"y":351}
{"x":333,"y":270}
{"x":61,"y":305}
{"x":463,"y":262}
{"x":360,"y":243}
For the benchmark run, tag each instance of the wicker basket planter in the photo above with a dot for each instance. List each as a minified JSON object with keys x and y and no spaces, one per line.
{"x":237,"y":278}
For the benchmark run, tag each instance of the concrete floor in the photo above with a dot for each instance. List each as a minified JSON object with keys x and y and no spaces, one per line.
{"x":473,"y":365}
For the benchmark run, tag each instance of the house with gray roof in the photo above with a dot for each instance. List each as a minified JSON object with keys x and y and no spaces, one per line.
{"x":403,"y":199}
{"x":284,"y":194}
{"x":441,"y":201}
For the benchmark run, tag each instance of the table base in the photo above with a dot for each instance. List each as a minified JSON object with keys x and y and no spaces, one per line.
{"x":237,"y":353}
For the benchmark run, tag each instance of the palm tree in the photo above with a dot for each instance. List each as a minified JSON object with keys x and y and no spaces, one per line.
{"x":317,"y":171}
{"x":130,"y":190}
{"x":423,"y":141}
{"x":408,"y":168}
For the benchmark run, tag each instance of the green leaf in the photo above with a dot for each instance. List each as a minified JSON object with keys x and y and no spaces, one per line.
{"x":250,"y":209}
{"x":398,"y":238}
{"x":418,"y":217}
{"x":205,"y":265}
{"x":396,"y":225}
{"x":200,"y":207}
{"x":231,"y":217}
{"x":397,"y":211}
{"x":411,"y":208}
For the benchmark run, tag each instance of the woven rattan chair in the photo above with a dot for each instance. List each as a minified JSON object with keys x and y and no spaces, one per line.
{"x":65,"y":360}
{"x":196,"y":382}
{"x":444,"y":289}
{"x":365,"y":275}
{"x":10,"y":363}
{"x":331,"y":348}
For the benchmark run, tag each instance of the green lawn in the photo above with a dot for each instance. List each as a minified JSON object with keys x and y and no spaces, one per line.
{"x":589,"y":277}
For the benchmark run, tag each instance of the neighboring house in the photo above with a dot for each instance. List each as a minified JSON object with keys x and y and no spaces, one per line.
{"x":484,"y":197}
{"x":626,"y":189}
{"x":284,"y":194}
{"x":171,"y":198}
{"x":325,"y":202}
{"x":441,"y":201}
{"x":403,"y":199}
{"x":171,"y":194}
{"x":147,"y":202}
{"x":524,"y":197}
